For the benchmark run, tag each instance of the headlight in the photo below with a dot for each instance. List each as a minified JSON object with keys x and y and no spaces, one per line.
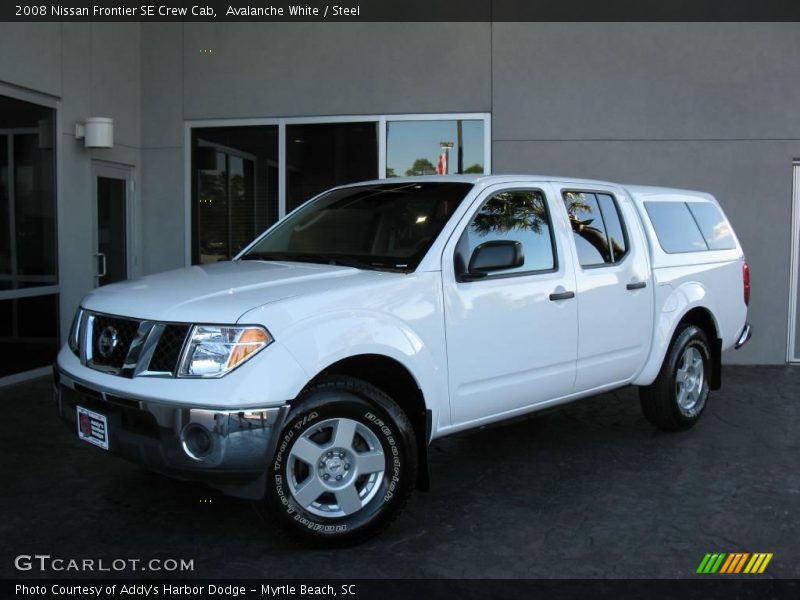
{"x":73,"y":340}
{"x":213,"y":351}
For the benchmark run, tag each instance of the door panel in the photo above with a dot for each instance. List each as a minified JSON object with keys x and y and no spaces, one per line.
{"x":112,"y":233}
{"x":615,"y":299}
{"x":509,"y":345}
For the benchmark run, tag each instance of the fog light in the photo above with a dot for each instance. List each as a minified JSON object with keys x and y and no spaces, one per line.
{"x":197,"y":441}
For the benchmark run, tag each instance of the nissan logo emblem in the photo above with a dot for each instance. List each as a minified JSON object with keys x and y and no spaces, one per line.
{"x":107,"y":342}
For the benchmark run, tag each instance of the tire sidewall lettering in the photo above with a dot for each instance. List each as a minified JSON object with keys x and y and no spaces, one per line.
{"x":396,"y":461}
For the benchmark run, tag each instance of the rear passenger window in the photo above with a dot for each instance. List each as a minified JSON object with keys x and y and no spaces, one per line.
{"x":675,"y":227}
{"x":520,"y":216}
{"x":713,"y":226}
{"x":597,"y":228}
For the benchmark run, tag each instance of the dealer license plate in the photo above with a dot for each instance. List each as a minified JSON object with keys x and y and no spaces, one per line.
{"x":92,"y":427}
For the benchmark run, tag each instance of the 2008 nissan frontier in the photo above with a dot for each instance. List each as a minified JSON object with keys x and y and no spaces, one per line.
{"x":313,"y":370}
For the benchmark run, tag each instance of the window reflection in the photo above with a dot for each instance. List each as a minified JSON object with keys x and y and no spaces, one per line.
{"x":520,"y":216}
{"x":235,"y":188}
{"x":676,"y":228}
{"x":431,"y":147}
{"x":597,"y":228}
{"x":713,"y":226}
{"x":320,"y":156}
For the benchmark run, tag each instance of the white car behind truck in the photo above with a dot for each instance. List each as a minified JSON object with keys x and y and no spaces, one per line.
{"x":313,"y":370}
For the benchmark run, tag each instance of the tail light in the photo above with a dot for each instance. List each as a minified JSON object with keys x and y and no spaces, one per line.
{"x":746,"y":283}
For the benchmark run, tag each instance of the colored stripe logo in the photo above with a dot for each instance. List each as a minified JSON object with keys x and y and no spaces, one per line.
{"x":735,"y":562}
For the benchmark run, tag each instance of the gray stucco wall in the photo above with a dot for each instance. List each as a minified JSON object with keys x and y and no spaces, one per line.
{"x":707,"y":106}
{"x":163,"y":228}
{"x":698,"y":105}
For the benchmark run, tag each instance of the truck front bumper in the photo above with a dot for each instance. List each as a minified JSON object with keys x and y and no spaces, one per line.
{"x":228,"y":449}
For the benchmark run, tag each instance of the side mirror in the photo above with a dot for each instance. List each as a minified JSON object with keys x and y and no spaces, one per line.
{"x":496,"y":255}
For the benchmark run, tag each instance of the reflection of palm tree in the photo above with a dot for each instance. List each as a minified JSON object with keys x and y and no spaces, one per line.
{"x":576,"y":203}
{"x":509,"y":211}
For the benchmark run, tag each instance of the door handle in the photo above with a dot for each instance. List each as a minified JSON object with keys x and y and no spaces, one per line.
{"x":638,"y":285}
{"x":555,"y":296}
{"x":102,"y":258}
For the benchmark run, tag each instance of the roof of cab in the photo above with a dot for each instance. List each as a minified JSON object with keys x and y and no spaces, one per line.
{"x":658,"y":194}
{"x":638,"y":191}
{"x":484,"y":179}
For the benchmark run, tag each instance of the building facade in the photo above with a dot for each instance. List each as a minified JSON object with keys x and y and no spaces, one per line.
{"x":219,"y":129}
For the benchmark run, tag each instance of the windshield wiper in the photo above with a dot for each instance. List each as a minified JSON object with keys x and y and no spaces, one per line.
{"x":264,"y":256}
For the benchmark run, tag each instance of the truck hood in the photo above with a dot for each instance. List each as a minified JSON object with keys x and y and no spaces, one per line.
{"x":220,"y":292}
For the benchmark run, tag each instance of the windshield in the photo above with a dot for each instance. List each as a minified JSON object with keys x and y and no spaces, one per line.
{"x":384,"y":226}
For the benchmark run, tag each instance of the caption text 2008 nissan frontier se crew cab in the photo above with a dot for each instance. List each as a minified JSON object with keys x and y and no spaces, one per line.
{"x":313,"y":370}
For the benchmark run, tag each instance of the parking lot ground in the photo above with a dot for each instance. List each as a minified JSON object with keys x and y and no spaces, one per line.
{"x":588,"y":490}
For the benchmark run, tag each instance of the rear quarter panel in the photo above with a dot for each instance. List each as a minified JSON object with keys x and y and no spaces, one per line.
{"x":683,"y":281}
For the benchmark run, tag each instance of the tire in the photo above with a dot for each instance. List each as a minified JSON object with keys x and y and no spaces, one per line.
{"x":356,"y":447}
{"x":675,"y":401}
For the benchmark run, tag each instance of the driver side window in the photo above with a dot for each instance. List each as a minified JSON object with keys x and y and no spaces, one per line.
{"x":514,"y":215}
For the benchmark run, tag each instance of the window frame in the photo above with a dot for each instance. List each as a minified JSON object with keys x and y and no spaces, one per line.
{"x":623,"y":225}
{"x":490,"y":277}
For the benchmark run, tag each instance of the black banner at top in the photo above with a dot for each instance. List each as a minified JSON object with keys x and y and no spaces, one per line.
{"x":399,"y":10}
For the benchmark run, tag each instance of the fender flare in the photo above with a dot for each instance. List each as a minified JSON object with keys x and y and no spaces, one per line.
{"x":376,"y":334}
{"x":680,"y":301}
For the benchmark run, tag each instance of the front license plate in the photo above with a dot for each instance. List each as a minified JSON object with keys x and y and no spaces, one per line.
{"x":92,"y":427}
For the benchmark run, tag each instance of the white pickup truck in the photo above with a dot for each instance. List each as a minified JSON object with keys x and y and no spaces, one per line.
{"x":314,"y":369}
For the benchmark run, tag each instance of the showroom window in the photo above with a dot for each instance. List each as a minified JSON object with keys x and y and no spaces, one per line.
{"x":443,"y":147}
{"x":28,"y":249}
{"x":235,"y":188}
{"x":322,"y":155}
{"x":245,"y":174}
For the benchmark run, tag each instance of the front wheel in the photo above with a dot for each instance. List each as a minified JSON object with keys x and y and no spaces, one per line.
{"x":679,"y":395}
{"x":345,"y":463}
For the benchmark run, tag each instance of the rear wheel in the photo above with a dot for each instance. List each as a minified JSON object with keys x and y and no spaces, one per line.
{"x":679,"y":395}
{"x":345,"y":463}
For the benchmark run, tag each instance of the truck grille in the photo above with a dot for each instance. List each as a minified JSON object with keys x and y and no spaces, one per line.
{"x":111,"y":339}
{"x":168,"y":350}
{"x":130,"y":347}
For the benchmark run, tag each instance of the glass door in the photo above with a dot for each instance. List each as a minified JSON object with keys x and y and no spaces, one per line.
{"x":112,"y":208}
